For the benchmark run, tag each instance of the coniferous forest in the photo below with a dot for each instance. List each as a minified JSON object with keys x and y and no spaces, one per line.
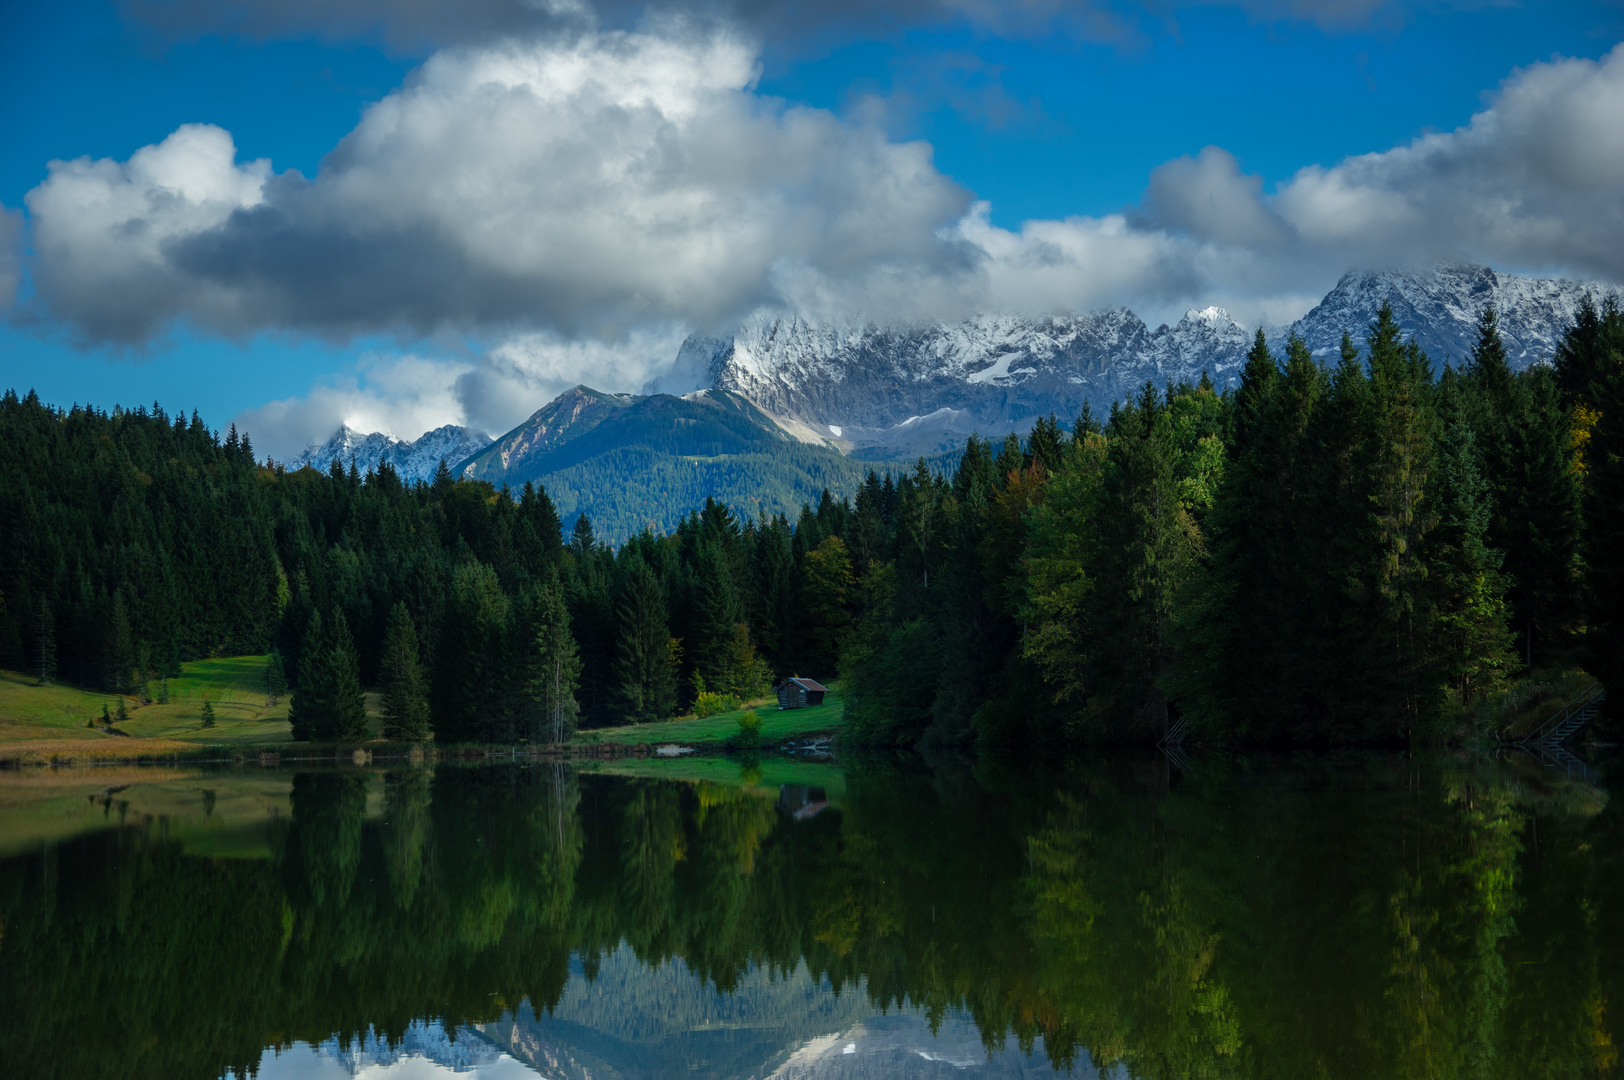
{"x":1344,"y":551}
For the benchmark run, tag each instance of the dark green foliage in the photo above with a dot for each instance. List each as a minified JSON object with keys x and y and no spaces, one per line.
{"x":123,"y":714}
{"x":470,"y":671}
{"x":400,"y":678}
{"x":328,"y":704}
{"x":1601,"y":400}
{"x":547,"y":668}
{"x":276,"y":679}
{"x":1526,"y":445}
{"x":645,"y":676}
{"x":45,"y":643}
{"x":1364,"y":916}
{"x":208,"y":713}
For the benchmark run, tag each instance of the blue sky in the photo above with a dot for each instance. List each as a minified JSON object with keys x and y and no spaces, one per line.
{"x":1046,"y":119}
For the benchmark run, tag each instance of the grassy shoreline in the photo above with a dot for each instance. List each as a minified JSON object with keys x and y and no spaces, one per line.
{"x":61,"y":725}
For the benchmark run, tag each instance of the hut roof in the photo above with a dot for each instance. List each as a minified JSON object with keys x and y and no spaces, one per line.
{"x":804,"y":684}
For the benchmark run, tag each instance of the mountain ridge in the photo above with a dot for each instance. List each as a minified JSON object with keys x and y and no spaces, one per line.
{"x":412,"y":460}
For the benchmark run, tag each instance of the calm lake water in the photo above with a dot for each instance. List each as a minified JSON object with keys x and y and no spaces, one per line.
{"x":1352,"y":916}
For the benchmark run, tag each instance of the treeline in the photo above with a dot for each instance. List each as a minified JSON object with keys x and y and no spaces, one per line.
{"x":130,"y":542}
{"x":1337,"y":551}
{"x":1330,"y":551}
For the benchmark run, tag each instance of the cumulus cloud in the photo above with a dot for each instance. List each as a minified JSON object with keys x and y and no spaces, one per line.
{"x":576,"y":206}
{"x":402,"y":395}
{"x":11,"y":241}
{"x":584,"y":187}
{"x":526,"y":370}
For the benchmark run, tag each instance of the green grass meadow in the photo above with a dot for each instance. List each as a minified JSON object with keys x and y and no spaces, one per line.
{"x":777,"y":725}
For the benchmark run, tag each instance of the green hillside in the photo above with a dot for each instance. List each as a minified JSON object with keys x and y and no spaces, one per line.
{"x":631,"y":463}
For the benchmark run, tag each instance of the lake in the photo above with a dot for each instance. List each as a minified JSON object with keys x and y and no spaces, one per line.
{"x":1354,"y":915}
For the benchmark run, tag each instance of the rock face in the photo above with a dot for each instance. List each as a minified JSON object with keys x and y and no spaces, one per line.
{"x":1440,"y":306}
{"x":861,"y":383}
{"x":415,"y":460}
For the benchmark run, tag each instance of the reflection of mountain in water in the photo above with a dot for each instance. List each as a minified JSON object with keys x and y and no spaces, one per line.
{"x":635,"y":1021}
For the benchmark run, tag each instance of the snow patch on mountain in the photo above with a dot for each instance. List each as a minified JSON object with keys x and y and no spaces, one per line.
{"x":999,"y":372}
{"x":415,"y":460}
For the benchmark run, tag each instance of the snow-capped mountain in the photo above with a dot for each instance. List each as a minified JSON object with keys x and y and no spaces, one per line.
{"x":865,"y":384}
{"x":414,"y":460}
{"x":1440,"y":307}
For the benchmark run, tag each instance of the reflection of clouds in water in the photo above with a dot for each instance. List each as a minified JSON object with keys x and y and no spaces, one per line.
{"x":425,"y":1052}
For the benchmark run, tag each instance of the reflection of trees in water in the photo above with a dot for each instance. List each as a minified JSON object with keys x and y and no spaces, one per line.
{"x":1367,"y":917}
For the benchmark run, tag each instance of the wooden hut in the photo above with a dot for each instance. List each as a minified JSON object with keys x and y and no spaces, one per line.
{"x":798,"y":693}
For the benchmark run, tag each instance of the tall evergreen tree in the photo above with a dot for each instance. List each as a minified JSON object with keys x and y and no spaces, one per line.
{"x":344,"y":716}
{"x":311,"y":688}
{"x":1474,"y":635}
{"x":400,"y":676}
{"x":118,"y":672}
{"x":645,"y":677}
{"x":1604,"y":511}
{"x":552,"y":670}
{"x":470,"y":658}
{"x":1147,"y":548}
{"x":276,"y":679}
{"x":45,"y":643}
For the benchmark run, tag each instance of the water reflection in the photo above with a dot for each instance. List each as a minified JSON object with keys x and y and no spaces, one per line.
{"x":1353,"y":917}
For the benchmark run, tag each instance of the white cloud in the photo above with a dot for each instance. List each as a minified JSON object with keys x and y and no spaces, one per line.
{"x":402,"y":395}
{"x":576,"y":204}
{"x":584,"y":188}
{"x":521,"y":373}
{"x":11,"y":235}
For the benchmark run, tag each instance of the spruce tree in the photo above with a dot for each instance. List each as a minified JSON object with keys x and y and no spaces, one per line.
{"x":1398,"y":449}
{"x":470,"y":658}
{"x":119,"y":654}
{"x":276,"y":680}
{"x":314,"y":685}
{"x":344,"y":715}
{"x":45,"y":643}
{"x":718,"y":611}
{"x":1474,"y":637}
{"x":645,"y":676}
{"x":208,"y":713}
{"x":1148,"y":546}
{"x":1526,"y":447}
{"x":552,"y":669}
{"x":123,"y":713}
{"x":400,"y":676}
{"x":1604,"y":516}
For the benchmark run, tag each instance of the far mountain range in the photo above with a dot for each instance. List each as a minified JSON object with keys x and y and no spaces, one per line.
{"x":794,"y":406}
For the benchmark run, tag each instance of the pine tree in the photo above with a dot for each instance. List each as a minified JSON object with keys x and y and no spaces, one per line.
{"x":1604,"y":513}
{"x":645,"y":676}
{"x":826,"y":581}
{"x":718,"y":610}
{"x":405,"y":691}
{"x":1148,"y":545}
{"x":123,"y":713}
{"x":208,"y":713}
{"x":344,"y":718}
{"x":314,"y":680}
{"x":1469,"y":601}
{"x":45,"y":639}
{"x":1399,"y":445}
{"x":553,"y":670}
{"x":276,"y":679}
{"x":470,"y":678}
